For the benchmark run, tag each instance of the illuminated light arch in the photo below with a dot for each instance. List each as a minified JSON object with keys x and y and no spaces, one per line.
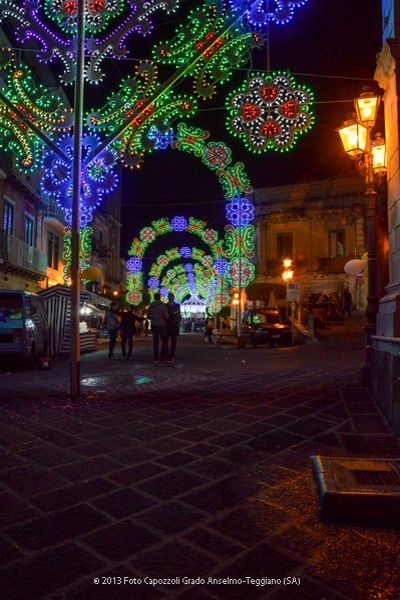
{"x":212,"y":288}
{"x":158,"y":228}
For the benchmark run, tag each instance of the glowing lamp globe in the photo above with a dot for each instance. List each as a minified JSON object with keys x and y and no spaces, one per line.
{"x":367,"y":108}
{"x":378,"y":150}
{"x":354,"y":267}
{"x":287,"y":263}
{"x":287,"y":275}
{"x":354,"y":138}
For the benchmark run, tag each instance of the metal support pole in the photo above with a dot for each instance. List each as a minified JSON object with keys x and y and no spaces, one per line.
{"x":76,"y":195}
{"x":239,"y":329}
{"x":372,"y":298}
{"x":293,"y":311}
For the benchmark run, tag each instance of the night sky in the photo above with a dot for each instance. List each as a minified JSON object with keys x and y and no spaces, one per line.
{"x":330,"y":46}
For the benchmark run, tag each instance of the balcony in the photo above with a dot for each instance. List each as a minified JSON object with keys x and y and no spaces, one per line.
{"x":55,"y":212}
{"x":333,"y":264}
{"x":19,"y":258}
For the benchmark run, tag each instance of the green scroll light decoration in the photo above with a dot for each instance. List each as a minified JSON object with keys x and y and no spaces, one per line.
{"x":159,"y":115}
{"x":158,"y":228}
{"x":46,"y":111}
{"x":231,"y":49}
{"x":270,"y":111}
{"x":85,"y":249}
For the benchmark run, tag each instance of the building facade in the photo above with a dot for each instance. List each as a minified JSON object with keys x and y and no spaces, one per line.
{"x":386,"y":344}
{"x":320,"y":226}
{"x":32,"y":236}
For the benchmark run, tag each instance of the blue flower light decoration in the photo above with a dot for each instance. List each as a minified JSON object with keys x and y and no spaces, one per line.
{"x":179,"y":223}
{"x":153,"y":282}
{"x":185,"y":252}
{"x":221,"y":265}
{"x":162,"y":139}
{"x":240,"y":212}
{"x":164,"y":291}
{"x":98,"y":177}
{"x":188,"y":268}
{"x":134,"y":264}
{"x":258,"y":15}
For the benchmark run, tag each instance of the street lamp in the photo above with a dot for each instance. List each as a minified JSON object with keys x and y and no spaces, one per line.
{"x":371,"y":156}
{"x":287,"y":277}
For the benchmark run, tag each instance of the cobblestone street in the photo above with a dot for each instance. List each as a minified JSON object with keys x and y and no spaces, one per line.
{"x":196,"y":469}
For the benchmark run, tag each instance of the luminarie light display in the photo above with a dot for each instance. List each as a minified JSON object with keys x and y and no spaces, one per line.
{"x":143,"y":113}
{"x":269,"y":112}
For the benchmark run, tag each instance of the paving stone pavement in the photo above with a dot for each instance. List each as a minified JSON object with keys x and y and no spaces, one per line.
{"x":199,"y":469}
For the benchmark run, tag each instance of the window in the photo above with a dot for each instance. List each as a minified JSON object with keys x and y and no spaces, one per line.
{"x":8,"y":216}
{"x":53,"y":250}
{"x":29,"y":230}
{"x":284,"y":245}
{"x":337,"y":245}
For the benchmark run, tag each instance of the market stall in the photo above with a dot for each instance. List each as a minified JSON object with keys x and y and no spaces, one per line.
{"x":57,"y":302}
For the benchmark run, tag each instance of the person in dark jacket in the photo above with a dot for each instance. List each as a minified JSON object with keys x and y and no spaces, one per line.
{"x":174,"y":319}
{"x":348,"y":302}
{"x":113,"y":324}
{"x":158,"y":315}
{"x":128,"y":330}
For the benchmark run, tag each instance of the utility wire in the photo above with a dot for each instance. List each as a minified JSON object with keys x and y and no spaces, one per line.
{"x":131,"y":59}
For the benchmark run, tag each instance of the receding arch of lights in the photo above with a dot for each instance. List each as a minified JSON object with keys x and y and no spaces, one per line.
{"x":158,"y":228}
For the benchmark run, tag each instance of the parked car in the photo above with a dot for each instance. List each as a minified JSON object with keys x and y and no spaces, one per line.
{"x":264,"y":326}
{"x":23,"y":325}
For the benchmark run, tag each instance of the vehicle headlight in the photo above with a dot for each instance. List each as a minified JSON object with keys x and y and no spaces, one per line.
{"x":29,"y":324}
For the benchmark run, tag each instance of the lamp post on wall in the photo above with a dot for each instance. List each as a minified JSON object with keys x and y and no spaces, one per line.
{"x":355,"y":135}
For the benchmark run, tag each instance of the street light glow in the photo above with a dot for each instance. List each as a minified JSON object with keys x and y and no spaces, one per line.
{"x":378,"y":149}
{"x":367,"y":108}
{"x":354,"y":138}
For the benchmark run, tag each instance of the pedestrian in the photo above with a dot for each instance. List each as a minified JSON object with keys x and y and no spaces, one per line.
{"x":174,"y":319}
{"x":158,"y":315}
{"x":210,"y":326}
{"x":348,"y":302}
{"x":113,"y":325}
{"x":128,"y":330}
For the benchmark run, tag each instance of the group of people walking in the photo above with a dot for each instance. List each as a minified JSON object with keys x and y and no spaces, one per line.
{"x":165,"y":320}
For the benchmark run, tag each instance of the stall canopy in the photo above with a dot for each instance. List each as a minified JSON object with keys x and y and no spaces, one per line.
{"x":57,"y":301}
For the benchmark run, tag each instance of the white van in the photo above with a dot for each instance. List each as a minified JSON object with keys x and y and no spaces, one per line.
{"x":23,"y":326}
